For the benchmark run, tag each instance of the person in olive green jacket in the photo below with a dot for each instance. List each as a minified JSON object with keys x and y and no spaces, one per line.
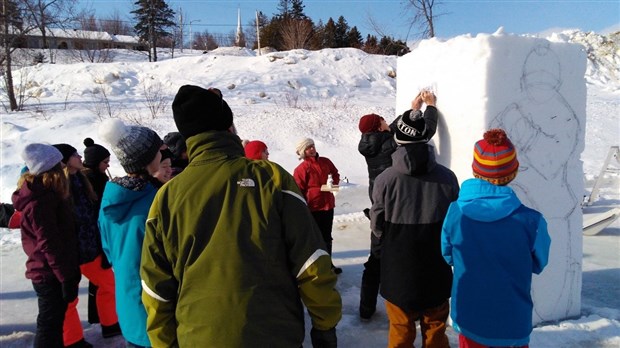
{"x":231,"y":251}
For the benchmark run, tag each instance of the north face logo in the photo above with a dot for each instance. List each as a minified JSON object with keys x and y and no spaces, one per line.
{"x":246,"y":183}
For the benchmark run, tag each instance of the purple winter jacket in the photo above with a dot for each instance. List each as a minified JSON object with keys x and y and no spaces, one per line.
{"x":48,"y":234}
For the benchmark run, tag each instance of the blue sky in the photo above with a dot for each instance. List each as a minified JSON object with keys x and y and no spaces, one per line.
{"x":457,"y":16}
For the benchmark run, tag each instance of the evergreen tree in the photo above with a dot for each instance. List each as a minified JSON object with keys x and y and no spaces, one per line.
{"x":342,"y":28}
{"x":329,"y":34}
{"x":354,"y":38}
{"x":391,"y":47}
{"x":371,"y":45}
{"x":297,"y":10}
{"x":153,"y":20}
{"x":316,"y":42}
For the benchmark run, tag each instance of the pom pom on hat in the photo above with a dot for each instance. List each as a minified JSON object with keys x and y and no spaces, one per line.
{"x":40,"y":158}
{"x":94,"y":153}
{"x":495,"y":158}
{"x":370,"y":123}
{"x":301,"y":147}
{"x":134,"y":146}
{"x":66,"y":150}
{"x":411,"y":128}
{"x":197,"y":110}
{"x":254,"y":149}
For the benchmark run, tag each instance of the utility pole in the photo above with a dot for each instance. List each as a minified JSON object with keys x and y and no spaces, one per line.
{"x":181,"y":27}
{"x":191,"y":38}
{"x":257,"y":34}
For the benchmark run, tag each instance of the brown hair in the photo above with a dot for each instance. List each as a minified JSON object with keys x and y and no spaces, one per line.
{"x":53,"y":179}
{"x":90,"y":191}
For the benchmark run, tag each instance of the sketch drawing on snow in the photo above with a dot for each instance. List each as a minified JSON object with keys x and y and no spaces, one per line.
{"x":546,"y":131}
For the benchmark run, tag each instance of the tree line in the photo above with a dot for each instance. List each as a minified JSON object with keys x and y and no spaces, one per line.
{"x":156,"y":26}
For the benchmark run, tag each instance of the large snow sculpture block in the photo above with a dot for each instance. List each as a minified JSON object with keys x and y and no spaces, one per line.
{"x":535,"y":90}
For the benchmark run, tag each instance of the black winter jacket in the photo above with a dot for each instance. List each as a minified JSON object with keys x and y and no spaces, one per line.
{"x":377,"y":149}
{"x":411,"y":200}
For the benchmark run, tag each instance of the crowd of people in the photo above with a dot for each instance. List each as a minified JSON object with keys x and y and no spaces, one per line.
{"x":238,"y":260}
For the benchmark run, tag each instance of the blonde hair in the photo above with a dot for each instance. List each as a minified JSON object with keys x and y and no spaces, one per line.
{"x":54,"y":179}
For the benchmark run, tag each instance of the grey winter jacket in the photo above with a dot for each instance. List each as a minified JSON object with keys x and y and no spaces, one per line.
{"x":411,"y":199}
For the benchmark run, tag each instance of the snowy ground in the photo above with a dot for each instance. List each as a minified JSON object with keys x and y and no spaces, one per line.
{"x":279,"y":99}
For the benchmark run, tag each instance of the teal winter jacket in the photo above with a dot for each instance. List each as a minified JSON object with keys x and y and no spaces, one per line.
{"x":122,"y":222}
{"x":495,"y":243}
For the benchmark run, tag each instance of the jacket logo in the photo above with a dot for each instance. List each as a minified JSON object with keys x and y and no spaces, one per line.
{"x":246,"y":183}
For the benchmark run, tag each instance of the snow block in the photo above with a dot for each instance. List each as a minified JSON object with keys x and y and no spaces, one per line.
{"x":535,"y":90}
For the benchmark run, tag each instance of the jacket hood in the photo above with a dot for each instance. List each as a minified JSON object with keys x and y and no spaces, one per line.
{"x":214,"y":144}
{"x":117,"y":200}
{"x":414,"y":159}
{"x":28,"y":193}
{"x":482,"y":201}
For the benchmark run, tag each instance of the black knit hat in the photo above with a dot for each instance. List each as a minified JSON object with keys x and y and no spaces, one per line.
{"x":66,"y":150}
{"x":134,"y":146}
{"x":197,"y":110}
{"x":166,"y":153}
{"x":410,"y":128}
{"x":94,"y":153}
{"x":176,"y":143}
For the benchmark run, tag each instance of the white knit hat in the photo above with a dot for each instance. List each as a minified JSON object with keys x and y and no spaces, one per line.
{"x":134,"y":146}
{"x":302,"y":146}
{"x":40,"y":158}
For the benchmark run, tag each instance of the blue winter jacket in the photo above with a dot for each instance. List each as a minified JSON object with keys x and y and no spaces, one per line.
{"x":122,"y":220}
{"x":495,"y":243}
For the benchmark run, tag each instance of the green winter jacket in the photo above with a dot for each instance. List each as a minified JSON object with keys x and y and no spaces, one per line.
{"x":230,"y":253}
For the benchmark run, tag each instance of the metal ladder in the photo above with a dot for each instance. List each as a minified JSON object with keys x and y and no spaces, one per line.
{"x":614,"y":152}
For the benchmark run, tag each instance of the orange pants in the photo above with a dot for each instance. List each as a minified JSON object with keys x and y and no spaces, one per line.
{"x":72,"y":331}
{"x":432,"y":325}
{"x":465,"y":342}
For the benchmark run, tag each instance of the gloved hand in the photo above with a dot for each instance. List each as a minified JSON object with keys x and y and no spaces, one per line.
{"x":324,"y":338}
{"x":70,"y":289}
{"x":375,"y":246}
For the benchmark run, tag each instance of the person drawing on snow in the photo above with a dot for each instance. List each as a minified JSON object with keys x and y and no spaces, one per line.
{"x":313,"y":172}
{"x":241,"y":244}
{"x":410,"y":200}
{"x":495,"y":243}
{"x":49,"y":240}
{"x":122,"y":218}
{"x":377,"y":145}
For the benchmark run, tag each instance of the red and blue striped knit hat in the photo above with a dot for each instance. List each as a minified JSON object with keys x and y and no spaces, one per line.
{"x":495,"y":158}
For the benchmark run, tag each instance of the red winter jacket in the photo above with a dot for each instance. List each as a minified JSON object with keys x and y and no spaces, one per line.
{"x":48,"y":234}
{"x":310,"y":175}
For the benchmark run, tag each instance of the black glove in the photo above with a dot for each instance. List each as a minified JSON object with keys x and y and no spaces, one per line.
{"x":324,"y":338}
{"x":375,"y":246}
{"x":70,"y":289}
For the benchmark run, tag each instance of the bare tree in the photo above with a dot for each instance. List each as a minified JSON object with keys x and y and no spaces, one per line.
{"x":12,"y":29}
{"x":88,"y":21}
{"x":51,"y":13}
{"x":115,"y":25}
{"x":296,"y":33}
{"x":90,"y":46}
{"x":204,"y":41}
{"x":423,"y":16}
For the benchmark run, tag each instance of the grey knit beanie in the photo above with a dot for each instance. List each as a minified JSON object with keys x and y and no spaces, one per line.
{"x":134,"y":146}
{"x":40,"y":158}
